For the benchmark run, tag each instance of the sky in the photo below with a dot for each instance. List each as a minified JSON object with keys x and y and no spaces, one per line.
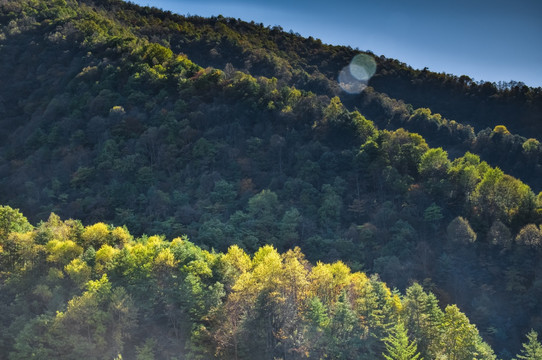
{"x":490,"y":40}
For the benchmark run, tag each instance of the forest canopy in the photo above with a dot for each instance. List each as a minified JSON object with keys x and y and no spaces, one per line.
{"x":72,"y":291}
{"x":239,"y":137}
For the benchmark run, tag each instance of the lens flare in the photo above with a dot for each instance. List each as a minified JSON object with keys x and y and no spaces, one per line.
{"x":349,"y":83}
{"x":354,"y":78}
{"x":363,"y":64}
{"x":358,"y":72}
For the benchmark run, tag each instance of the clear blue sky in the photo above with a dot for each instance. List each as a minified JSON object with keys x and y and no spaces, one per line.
{"x":492,"y":40}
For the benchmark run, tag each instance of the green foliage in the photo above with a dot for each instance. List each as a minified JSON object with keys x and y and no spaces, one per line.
{"x":460,"y":338}
{"x":434,"y":163}
{"x":11,"y":220}
{"x":459,"y":231}
{"x":530,"y":235}
{"x":155,"y":54}
{"x":96,"y":235}
{"x":115,"y":126}
{"x":424,"y":115}
{"x":330,"y":210}
{"x":499,"y":234}
{"x":398,"y":347}
{"x":532,"y":350}
{"x":62,"y":252}
{"x":216,"y":305}
{"x":531,"y":146}
{"x":433,"y":215}
{"x":78,"y":271}
{"x":341,"y":333}
{"x":423,"y":319}
{"x":146,"y":351}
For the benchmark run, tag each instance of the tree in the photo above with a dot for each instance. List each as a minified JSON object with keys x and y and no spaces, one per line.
{"x":263,"y":210}
{"x":460,"y":339}
{"x":62,"y":252}
{"x":12,"y":220}
{"x":530,"y":235}
{"x":146,"y":351}
{"x":278,"y":142}
{"x":78,"y":271}
{"x":465,"y":173}
{"x":398,"y":347}
{"x":288,"y":234}
{"x":223,"y":194}
{"x":263,"y":204}
{"x":93,"y":326}
{"x":317,"y":320}
{"x":330,"y":209}
{"x":423,"y":317}
{"x":365,"y":129}
{"x":96,"y":235}
{"x":120,"y":235}
{"x":432,"y":215}
{"x":531,"y":146}
{"x":343,"y":333}
{"x":499,"y":234}
{"x":459,"y":231}
{"x":204,"y":151}
{"x":328,"y":280}
{"x":434,"y":164}
{"x":532,"y":350}
{"x":103,"y":258}
{"x":501,"y":130}
{"x":156,"y":54}
{"x":18,"y":251}
{"x":501,"y":197}
{"x":317,"y":313}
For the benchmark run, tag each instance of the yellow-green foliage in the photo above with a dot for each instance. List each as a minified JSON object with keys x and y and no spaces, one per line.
{"x":501,"y":129}
{"x":78,"y":271}
{"x":62,"y":252}
{"x":231,"y":302}
{"x":104,"y":258}
{"x":96,"y":235}
{"x":120,"y":235}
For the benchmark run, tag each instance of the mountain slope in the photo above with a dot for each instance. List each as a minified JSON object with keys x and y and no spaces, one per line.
{"x":310,"y":65}
{"x":103,"y":120}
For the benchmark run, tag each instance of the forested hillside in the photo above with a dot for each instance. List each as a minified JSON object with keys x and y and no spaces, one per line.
{"x":95,"y":292}
{"x":236,"y":134}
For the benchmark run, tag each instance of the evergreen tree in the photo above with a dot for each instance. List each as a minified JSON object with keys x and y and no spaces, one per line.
{"x":422,"y":318}
{"x":532,"y":350}
{"x":343,"y":333}
{"x":398,"y":347}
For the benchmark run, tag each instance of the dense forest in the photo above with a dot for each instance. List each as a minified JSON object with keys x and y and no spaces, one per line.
{"x":150,"y":298}
{"x":240,"y":137}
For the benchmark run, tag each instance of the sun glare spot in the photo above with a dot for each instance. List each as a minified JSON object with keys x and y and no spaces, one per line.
{"x":364,"y":65}
{"x":354,"y":78}
{"x":349,"y":83}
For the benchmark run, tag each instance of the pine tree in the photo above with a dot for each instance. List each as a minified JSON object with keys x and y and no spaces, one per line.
{"x":343,"y":334}
{"x":422,"y":318}
{"x":398,"y":347}
{"x":533,"y":349}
